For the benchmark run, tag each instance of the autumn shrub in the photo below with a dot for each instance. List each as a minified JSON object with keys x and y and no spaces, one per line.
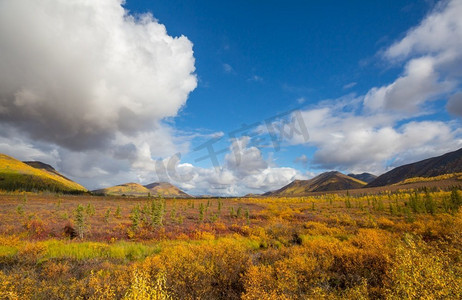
{"x":36,"y":228}
{"x":207,"y":270}
{"x":144,"y":287}
{"x":419,"y":272}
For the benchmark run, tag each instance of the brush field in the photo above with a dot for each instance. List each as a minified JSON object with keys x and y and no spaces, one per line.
{"x":391,"y":245}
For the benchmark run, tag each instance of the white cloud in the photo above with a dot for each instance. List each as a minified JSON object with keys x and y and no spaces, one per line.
{"x":418,"y":85}
{"x":92,"y":84}
{"x":243,"y":160}
{"x":440,"y":32}
{"x":244,"y":171}
{"x":349,"y":85}
{"x":78,"y":74}
{"x":350,"y":141}
{"x":433,"y":49}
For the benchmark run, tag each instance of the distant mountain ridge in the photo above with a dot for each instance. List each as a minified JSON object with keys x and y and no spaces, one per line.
{"x":163,"y":189}
{"x":34,"y":176}
{"x":328,"y":181}
{"x":445,"y":164}
{"x":166,"y":190}
{"x":366,"y":177}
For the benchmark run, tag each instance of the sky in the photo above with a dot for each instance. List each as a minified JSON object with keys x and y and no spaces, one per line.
{"x":228,"y":97}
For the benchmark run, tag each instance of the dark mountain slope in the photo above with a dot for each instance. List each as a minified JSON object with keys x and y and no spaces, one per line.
{"x":445,"y":164}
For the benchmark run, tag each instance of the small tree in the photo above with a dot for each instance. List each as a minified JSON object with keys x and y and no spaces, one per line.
{"x":430,"y":205}
{"x":80,"y":221}
{"x":201,"y":212}
{"x":456,"y":199}
{"x":107,"y":215}
{"x":239,"y":212}
{"x":135,"y":216}
{"x":219,"y":206}
{"x":118,"y":212}
{"x":157,"y":211}
{"x":90,"y":210}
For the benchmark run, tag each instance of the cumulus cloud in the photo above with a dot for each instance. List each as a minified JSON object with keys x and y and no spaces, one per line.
{"x":439,"y":33}
{"x":419,"y":84}
{"x":351,"y":141}
{"x":80,"y":74}
{"x":90,"y":84}
{"x":434,"y":65}
{"x":244,"y":171}
{"x":245,"y":160}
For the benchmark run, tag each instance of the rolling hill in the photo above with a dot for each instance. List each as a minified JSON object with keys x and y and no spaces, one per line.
{"x":16,"y":175}
{"x":366,"y":177}
{"x":166,"y":190}
{"x":163,"y":189}
{"x":329,"y":181}
{"x":445,"y":164}
{"x":126,"y":189}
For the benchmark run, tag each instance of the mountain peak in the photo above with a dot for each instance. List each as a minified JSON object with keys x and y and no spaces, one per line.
{"x":366,"y":177}
{"x":327,"y":181}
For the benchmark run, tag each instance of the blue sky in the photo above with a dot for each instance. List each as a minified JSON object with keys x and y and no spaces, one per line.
{"x":298,"y":49}
{"x":376,"y":84}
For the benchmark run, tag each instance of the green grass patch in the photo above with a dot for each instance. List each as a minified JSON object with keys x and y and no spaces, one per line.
{"x":87,"y":250}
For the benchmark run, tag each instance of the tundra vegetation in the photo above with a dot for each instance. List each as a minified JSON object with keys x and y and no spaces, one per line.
{"x":390,"y":245}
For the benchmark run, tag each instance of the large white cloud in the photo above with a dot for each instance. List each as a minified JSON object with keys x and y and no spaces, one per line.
{"x":349,"y":141}
{"x":419,"y":83}
{"x":79,"y":73}
{"x":439,"y":33}
{"x":433,"y":57}
{"x":85,"y":86}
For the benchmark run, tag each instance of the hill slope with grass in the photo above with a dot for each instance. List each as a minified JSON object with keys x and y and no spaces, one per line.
{"x":445,"y":164}
{"x":163,"y":189}
{"x":16,"y":175}
{"x":329,"y":181}
{"x":126,"y":189}
{"x":166,"y":190}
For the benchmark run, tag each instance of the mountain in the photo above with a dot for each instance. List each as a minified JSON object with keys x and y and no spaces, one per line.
{"x":366,"y":177}
{"x":329,"y":181}
{"x":42,"y":166}
{"x":166,"y":190}
{"x":445,"y":164}
{"x":34,"y":176}
{"x":126,"y":189}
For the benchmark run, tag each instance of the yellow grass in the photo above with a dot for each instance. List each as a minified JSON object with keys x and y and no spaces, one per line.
{"x":17,"y":170}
